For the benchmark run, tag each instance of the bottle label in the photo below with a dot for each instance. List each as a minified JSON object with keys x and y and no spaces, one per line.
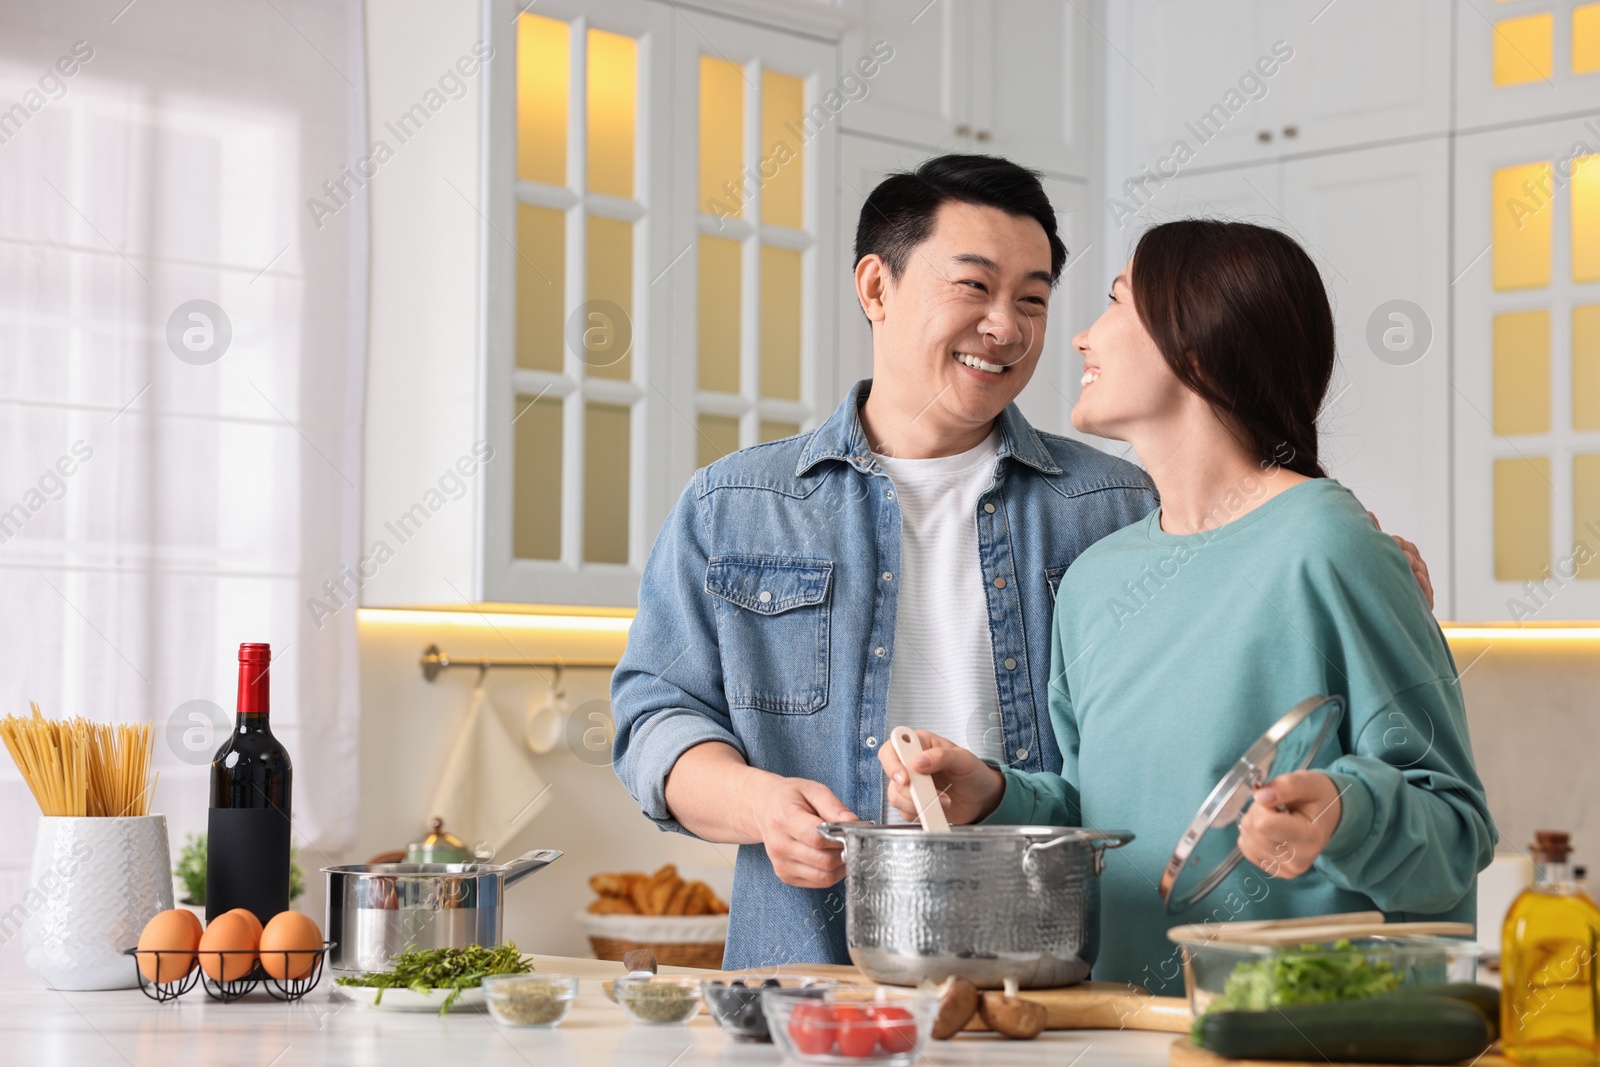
{"x":247,"y":861}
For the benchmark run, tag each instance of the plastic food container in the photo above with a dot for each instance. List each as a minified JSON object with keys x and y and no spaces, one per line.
{"x":659,"y":999}
{"x":1247,"y":977}
{"x":736,"y":1004}
{"x":851,"y":1025}
{"x":530,"y":999}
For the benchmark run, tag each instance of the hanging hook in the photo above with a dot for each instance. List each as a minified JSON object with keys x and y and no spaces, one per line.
{"x":555,"y":683}
{"x":483,"y":672}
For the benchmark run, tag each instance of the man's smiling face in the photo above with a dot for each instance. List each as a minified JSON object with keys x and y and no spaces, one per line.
{"x":963,"y":326}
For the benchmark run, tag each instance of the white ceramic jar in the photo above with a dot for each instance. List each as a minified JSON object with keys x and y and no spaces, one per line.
{"x":95,"y":883}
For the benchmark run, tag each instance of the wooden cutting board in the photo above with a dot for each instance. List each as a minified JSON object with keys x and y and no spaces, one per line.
{"x":1184,"y":1054}
{"x":1087,"y":1006}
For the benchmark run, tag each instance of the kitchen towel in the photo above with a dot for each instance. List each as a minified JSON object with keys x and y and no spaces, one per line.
{"x":490,"y":789}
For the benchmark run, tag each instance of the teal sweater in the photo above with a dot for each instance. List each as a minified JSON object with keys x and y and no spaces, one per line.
{"x":1171,"y":654}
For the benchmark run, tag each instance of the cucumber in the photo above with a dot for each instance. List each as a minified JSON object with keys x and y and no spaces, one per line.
{"x":1384,"y":1029}
{"x":1485,"y":998}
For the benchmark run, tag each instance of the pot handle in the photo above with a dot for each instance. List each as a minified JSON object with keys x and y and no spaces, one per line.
{"x":1098,"y":841}
{"x":527,"y":863}
{"x":832,"y":831}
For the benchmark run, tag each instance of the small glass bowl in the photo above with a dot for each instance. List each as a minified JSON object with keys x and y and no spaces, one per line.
{"x":736,"y":1003}
{"x":1408,"y":961}
{"x":658,"y":999}
{"x":541,"y":1000}
{"x":851,"y":1025}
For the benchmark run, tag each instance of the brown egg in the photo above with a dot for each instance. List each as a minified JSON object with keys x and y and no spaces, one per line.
{"x":227,"y":948}
{"x":250,"y":918}
{"x":289,"y":945}
{"x":167,"y":944}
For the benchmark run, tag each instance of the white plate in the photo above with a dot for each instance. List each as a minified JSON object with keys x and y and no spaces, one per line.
{"x":410,"y":1000}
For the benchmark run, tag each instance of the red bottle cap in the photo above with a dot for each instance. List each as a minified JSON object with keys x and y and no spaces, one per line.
{"x":255,"y":663}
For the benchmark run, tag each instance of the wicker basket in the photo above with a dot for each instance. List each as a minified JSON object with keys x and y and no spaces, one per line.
{"x":694,"y":941}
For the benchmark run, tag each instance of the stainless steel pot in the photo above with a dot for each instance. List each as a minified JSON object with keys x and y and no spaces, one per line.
{"x":984,"y":902}
{"x":378,"y":910}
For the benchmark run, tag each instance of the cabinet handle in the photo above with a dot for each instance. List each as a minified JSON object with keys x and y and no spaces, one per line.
{"x":963,"y":130}
{"x":1265,"y":136}
{"x":984,"y":136}
{"x":1291,"y":131}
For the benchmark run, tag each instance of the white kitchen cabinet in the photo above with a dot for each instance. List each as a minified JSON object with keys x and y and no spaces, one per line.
{"x":532,"y":380}
{"x":1252,"y":193}
{"x":1527,"y":376}
{"x":1375,"y":224}
{"x":922,"y":94}
{"x":1008,"y":79}
{"x":1516,"y":62}
{"x":1364,"y":72}
{"x":1033,"y":71}
{"x":1170,"y":72}
{"x":863,"y":163}
{"x":754,"y":267}
{"x":1378,"y":229}
{"x":1232,"y":82}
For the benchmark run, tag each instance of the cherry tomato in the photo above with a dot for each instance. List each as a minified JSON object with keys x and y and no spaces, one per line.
{"x":811,"y":1028}
{"x":897,"y":1029}
{"x":858,"y":1032}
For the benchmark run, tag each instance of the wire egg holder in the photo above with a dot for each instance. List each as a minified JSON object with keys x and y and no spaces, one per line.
{"x":278,"y":988}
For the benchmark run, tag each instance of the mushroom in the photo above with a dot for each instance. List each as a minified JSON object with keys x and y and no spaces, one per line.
{"x":958,"y":1003}
{"x":1006,"y":1013}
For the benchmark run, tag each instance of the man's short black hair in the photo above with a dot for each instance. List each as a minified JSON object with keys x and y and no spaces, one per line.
{"x":899,"y":214}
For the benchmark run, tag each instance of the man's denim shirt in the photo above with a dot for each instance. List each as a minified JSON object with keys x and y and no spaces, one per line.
{"x":767,"y":621}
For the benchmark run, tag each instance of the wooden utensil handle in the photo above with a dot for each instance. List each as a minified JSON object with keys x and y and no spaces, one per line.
{"x":929,"y":811}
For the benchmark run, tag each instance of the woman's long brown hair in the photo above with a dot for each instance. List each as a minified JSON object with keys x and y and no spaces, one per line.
{"x":1240,"y":314}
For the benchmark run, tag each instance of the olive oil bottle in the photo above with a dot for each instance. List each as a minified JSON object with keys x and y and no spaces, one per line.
{"x":1549,"y":996}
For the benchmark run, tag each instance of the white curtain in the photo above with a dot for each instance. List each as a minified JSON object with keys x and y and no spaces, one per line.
{"x":163,"y":496}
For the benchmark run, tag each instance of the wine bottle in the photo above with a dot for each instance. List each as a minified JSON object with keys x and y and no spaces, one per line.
{"x":247,"y":833}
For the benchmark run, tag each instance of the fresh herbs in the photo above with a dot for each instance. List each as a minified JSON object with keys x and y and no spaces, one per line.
{"x":1313,"y":975}
{"x":454,"y":969}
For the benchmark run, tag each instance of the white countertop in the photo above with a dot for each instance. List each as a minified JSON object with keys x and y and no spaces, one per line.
{"x":44,"y":1028}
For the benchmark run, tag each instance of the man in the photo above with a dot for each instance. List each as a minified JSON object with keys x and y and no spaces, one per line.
{"x":898,"y":565}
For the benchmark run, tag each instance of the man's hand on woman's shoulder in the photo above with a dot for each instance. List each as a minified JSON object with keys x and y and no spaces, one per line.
{"x":1419,"y":566}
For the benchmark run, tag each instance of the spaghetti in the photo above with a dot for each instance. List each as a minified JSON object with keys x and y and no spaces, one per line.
{"x":75,"y":767}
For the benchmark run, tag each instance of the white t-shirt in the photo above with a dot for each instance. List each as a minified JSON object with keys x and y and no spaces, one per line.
{"x":942,"y":674}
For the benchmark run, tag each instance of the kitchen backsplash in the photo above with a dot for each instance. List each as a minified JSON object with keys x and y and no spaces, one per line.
{"x":407,"y":725}
{"x":1533,"y":707}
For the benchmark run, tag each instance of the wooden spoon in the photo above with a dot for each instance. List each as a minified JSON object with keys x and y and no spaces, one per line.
{"x":929,"y":810}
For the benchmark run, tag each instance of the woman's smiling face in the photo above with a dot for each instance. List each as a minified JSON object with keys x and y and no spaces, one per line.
{"x":1126,"y":380}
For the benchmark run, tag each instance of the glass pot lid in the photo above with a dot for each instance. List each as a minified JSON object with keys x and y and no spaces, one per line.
{"x":1209,"y":848}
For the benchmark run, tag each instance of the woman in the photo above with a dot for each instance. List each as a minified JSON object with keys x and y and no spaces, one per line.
{"x":1257,"y":583}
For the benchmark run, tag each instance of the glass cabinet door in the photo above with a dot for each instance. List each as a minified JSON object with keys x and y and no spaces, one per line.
{"x":1528,"y":375}
{"x":577,"y":229}
{"x":757,"y":115}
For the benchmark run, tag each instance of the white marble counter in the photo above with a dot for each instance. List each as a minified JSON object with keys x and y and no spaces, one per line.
{"x":41,"y":1027}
